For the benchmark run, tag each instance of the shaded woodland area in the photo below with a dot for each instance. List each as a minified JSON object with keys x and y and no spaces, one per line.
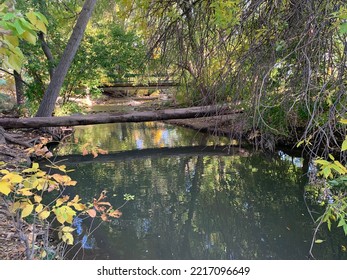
{"x":282,"y":62}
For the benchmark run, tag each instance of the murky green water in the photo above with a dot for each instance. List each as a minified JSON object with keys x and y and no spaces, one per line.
{"x":192,"y":201}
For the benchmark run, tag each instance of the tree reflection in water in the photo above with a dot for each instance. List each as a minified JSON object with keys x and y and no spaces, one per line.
{"x":241,"y":205}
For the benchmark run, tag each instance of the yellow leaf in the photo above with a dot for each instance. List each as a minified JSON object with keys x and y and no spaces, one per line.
{"x":39,"y":208}
{"x":64,"y":180}
{"x":60,"y":217}
{"x":62,"y":168}
{"x":32,"y":17}
{"x":68,"y":238}
{"x":29,"y":37}
{"x":343,"y":121}
{"x":16,"y":179}
{"x":70,"y":183}
{"x":43,"y":254}
{"x":14,"y":207}
{"x":34,"y":168}
{"x":61,"y":200}
{"x":4,"y":171}
{"x":27,"y":210}
{"x":41,"y":26}
{"x":67,"y":229}
{"x":12,"y":39}
{"x":15,"y":61}
{"x":40,"y":173}
{"x":79,"y":206}
{"x":25,"y":192}
{"x":5,"y":187}
{"x":64,"y":214}
{"x":44,"y":214}
{"x":37,"y":198}
{"x":76,"y":199}
{"x":13,"y":178}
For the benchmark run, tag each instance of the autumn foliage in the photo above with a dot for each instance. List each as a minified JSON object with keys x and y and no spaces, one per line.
{"x":39,"y":196}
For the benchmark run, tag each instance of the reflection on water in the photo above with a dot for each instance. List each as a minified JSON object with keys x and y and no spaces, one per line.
{"x":239,"y":205}
{"x":131,"y":136}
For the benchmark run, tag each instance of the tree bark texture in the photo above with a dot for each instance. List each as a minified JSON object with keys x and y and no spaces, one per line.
{"x":19,"y":88}
{"x":52,"y":92}
{"x":183,"y":113}
{"x":47,"y":51}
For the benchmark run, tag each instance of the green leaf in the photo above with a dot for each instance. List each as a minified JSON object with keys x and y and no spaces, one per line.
{"x":329,"y":224}
{"x":300,"y":143}
{"x":9,"y":16}
{"x":41,"y":17}
{"x":345,"y":228}
{"x":64,"y":214}
{"x":26,"y":25}
{"x":343,"y":28}
{"x":344,"y":145}
{"x":18,"y":27}
{"x":333,"y":183}
{"x":7,"y":25}
{"x":321,"y":162}
{"x":339,"y":167}
{"x":34,"y":168}
{"x":326,"y":172}
{"x":342,"y":222}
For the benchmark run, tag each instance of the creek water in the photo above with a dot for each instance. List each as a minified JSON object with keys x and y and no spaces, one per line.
{"x":196,"y":197}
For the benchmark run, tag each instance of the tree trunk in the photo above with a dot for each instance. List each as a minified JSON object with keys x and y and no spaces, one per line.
{"x":183,"y":113}
{"x":52,"y":92}
{"x":19,"y":88}
{"x":47,"y":51}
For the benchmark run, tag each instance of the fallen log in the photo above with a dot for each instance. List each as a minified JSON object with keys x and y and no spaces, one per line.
{"x":167,"y":114}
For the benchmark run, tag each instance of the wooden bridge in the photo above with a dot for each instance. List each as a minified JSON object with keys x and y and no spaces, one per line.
{"x":132,"y":86}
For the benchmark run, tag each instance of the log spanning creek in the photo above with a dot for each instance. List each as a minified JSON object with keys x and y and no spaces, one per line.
{"x":196,"y":197}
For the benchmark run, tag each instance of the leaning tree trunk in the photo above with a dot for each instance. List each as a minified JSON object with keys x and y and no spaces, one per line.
{"x":19,"y":88}
{"x":52,"y":92}
{"x":48,"y":53}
